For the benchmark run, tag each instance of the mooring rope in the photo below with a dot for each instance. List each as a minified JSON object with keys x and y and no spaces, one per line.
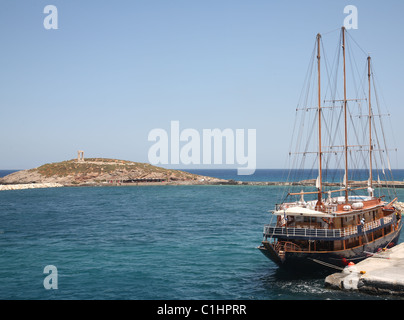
{"x":327,"y":264}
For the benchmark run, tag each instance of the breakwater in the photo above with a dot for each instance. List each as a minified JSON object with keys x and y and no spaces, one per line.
{"x":352,"y":184}
{"x":29,"y":186}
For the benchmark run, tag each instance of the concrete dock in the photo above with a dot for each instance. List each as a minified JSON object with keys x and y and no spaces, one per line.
{"x":382,"y":273}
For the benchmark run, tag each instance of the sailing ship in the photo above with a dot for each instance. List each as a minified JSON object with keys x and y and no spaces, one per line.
{"x":332,"y":220}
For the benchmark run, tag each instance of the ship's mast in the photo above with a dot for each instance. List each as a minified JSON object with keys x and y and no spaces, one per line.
{"x":370,"y":130}
{"x":320,"y":180}
{"x":345,"y":121}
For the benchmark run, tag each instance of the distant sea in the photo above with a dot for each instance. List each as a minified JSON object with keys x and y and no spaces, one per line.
{"x":282,"y":174}
{"x":148,"y":242}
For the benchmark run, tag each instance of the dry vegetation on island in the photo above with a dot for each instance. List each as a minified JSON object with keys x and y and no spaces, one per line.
{"x":103,"y":171}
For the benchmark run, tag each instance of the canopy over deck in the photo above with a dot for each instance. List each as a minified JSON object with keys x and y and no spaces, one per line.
{"x":300,"y":211}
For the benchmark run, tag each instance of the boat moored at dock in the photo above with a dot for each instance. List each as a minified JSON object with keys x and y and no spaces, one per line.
{"x":302,"y":236}
{"x":339,"y":222}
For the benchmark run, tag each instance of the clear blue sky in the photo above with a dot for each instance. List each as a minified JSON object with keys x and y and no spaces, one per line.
{"x":115,"y":70}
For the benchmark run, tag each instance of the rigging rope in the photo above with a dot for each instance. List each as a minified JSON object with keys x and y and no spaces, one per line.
{"x":304,"y":129}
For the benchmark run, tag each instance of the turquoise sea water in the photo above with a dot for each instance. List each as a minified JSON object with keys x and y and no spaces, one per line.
{"x":149,"y":242}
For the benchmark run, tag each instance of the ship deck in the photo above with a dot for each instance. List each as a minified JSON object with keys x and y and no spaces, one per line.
{"x":313,"y":232}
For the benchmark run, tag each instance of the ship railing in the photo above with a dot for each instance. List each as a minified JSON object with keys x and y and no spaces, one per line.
{"x":271,"y":230}
{"x":374,"y":224}
{"x":283,"y":246}
{"x":304,"y":232}
{"x":331,"y":209}
{"x":349,"y":231}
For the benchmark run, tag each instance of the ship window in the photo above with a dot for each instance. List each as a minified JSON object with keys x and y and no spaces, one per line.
{"x":309,"y":219}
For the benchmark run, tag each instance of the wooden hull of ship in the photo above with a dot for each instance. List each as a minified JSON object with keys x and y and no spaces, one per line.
{"x":323,"y":260}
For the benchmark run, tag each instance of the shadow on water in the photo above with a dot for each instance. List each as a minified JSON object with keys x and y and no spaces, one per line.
{"x":284,"y":284}
{"x":296,"y":274}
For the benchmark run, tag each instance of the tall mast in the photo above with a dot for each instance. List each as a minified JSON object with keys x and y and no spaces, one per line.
{"x":345,"y":120}
{"x":370,"y":130}
{"x":320,"y":180}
